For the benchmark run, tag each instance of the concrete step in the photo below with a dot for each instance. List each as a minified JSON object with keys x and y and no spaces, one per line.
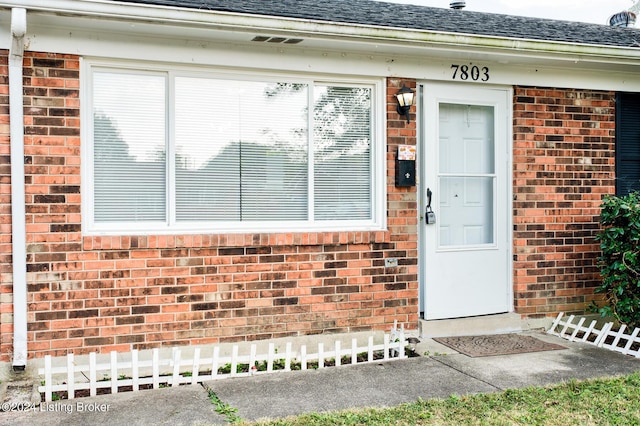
{"x":488,"y":324}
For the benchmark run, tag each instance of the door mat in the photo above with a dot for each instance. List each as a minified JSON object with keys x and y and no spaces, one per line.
{"x":497,"y":344}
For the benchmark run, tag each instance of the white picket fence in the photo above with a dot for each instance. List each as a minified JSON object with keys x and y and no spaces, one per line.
{"x":176,"y":370}
{"x":606,"y":337}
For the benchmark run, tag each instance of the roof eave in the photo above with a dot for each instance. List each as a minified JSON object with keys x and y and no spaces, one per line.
{"x":335,"y":30}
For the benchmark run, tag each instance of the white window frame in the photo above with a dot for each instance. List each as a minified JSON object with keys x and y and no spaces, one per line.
{"x":170,"y":226}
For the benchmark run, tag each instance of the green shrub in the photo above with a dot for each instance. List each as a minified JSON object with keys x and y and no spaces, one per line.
{"x":620,"y":261}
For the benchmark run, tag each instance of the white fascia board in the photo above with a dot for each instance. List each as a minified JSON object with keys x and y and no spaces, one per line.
{"x":309,"y":28}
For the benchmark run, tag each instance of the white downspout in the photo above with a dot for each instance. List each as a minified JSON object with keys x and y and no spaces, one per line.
{"x":18,"y":220}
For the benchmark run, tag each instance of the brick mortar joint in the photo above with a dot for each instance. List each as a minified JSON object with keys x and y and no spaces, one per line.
{"x":204,"y":241}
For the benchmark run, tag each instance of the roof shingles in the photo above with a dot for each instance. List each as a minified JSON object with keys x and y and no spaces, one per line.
{"x":377,"y":13}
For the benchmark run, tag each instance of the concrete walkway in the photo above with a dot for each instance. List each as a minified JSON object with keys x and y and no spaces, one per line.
{"x":438,"y":375}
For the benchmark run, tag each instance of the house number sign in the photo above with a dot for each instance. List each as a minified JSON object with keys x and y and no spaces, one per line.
{"x":469,"y":73}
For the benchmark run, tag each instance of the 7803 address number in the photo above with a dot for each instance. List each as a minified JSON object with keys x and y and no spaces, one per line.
{"x":470,"y":72}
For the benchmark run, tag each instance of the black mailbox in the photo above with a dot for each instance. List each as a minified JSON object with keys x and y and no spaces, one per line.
{"x":406,"y":166}
{"x":405,"y":172}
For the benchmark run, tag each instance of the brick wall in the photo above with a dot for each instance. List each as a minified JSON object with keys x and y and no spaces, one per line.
{"x":105,"y":293}
{"x":564,"y":162}
{"x":119,"y":293}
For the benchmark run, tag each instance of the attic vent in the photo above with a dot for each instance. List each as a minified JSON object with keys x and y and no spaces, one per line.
{"x":457,"y":4}
{"x":277,"y":40}
{"x":623,"y":19}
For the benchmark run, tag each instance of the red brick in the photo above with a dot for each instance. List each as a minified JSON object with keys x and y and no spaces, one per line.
{"x":124,"y":276}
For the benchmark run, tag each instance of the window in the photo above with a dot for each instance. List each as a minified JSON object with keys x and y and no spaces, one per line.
{"x":627,"y":143}
{"x":174,"y":151}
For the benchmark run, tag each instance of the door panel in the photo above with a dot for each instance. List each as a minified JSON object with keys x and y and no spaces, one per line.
{"x":465,"y":260}
{"x":466,"y":207}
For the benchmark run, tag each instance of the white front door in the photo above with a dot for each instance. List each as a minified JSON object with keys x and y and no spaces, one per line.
{"x":465,"y":261}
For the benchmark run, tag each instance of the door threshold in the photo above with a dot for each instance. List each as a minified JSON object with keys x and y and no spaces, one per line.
{"x":486,"y":324}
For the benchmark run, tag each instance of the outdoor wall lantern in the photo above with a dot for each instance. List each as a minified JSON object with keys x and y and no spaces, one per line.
{"x":406,"y":98}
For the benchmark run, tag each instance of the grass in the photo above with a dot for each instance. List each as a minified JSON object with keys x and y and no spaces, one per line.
{"x":224,"y":409}
{"x":594,"y":402}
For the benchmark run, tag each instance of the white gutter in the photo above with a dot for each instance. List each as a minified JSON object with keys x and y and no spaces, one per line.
{"x":18,"y":218}
{"x":303,"y":27}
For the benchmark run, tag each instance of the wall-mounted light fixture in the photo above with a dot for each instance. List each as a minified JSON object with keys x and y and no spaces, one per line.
{"x":406,"y":98}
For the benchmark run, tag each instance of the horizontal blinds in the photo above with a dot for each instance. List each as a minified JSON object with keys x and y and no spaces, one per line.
{"x":207,"y":152}
{"x":274,"y":165}
{"x":342,"y":153}
{"x":129,"y":147}
{"x":241,"y":150}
